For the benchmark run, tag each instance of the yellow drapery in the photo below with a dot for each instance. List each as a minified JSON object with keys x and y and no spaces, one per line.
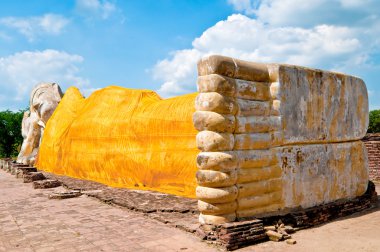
{"x":123,"y":138}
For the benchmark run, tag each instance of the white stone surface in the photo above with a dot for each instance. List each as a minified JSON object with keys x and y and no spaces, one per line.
{"x":43,"y":101}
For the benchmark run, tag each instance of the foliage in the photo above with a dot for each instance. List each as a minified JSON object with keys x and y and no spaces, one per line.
{"x":374,"y":121}
{"x":10,"y":133}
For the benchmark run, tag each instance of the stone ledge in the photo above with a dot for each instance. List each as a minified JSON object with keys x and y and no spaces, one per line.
{"x":33,"y":176}
{"x":47,"y":183}
{"x":371,"y":137}
{"x":21,"y":171}
{"x":13,"y":168}
{"x":65,"y":195}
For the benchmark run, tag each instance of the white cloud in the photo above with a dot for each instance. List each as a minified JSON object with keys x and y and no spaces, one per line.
{"x":355,"y":3}
{"x":182,"y":63}
{"x":285,"y":39}
{"x":20,"y":72}
{"x":99,"y":8}
{"x":53,"y":24}
{"x":303,"y":13}
{"x":246,"y":6}
{"x":32,"y":27}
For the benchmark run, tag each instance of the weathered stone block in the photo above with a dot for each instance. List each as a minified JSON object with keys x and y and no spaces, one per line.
{"x":218,"y":161}
{"x":4,"y":162}
{"x":13,"y":168}
{"x":211,"y":121}
{"x":212,"y":141}
{"x":258,"y":174}
{"x":33,"y":176}
{"x":260,"y":200}
{"x":47,"y":183}
{"x":257,"y":124}
{"x":215,"y":102}
{"x":217,"y":195}
{"x":274,"y":236}
{"x":217,"y":209}
{"x":321,"y":107}
{"x":253,"y":141}
{"x":321,"y":173}
{"x":233,"y":68}
{"x":256,"y":158}
{"x":259,"y":187}
{"x":65,"y":195}
{"x":216,"y":179}
{"x":217,"y":219}
{"x":21,"y":171}
{"x":234,"y":87}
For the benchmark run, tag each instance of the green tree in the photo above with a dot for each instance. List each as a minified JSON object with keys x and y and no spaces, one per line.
{"x":10,"y":133}
{"x":374,"y":121}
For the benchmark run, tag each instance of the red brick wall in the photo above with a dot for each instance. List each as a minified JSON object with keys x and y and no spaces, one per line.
{"x":372,"y":142}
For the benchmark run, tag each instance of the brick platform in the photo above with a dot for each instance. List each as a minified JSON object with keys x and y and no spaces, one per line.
{"x":239,"y":234}
{"x":233,"y":235}
{"x":372,"y":142}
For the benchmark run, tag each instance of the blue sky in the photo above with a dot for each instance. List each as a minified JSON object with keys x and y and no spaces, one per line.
{"x":155,"y":44}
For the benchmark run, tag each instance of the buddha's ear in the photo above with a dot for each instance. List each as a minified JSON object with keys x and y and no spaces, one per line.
{"x":58,"y":90}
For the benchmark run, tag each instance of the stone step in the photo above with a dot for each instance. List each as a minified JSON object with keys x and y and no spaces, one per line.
{"x":18,"y":165}
{"x":14,"y":168}
{"x":3,"y":165}
{"x":8,"y":165}
{"x":65,"y":195}
{"x":47,"y":183}
{"x":33,"y":176}
{"x":4,"y":161}
{"x":21,"y":171}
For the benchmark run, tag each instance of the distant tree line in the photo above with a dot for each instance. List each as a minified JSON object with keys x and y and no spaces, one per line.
{"x":11,"y":138}
{"x":10,"y":133}
{"x":374,"y":121}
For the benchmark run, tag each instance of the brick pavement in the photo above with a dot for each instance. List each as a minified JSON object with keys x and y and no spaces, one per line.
{"x":169,"y":209}
{"x":29,"y":221}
